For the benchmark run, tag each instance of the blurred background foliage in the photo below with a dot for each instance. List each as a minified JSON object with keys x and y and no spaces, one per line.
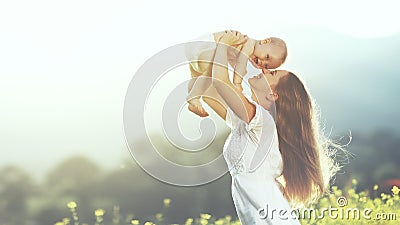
{"x":25,"y":200}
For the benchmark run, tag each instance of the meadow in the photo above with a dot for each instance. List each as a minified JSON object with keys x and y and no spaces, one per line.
{"x":336,"y":208}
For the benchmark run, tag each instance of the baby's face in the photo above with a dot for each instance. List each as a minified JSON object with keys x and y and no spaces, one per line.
{"x":266,"y":56}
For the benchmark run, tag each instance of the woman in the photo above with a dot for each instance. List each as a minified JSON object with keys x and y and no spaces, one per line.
{"x":261,"y":149}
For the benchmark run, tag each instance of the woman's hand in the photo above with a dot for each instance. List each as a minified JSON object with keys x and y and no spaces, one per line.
{"x":232,"y":37}
{"x":248,"y":48}
{"x":238,"y":86}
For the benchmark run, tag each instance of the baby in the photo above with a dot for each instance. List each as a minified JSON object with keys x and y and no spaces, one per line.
{"x":269,"y":53}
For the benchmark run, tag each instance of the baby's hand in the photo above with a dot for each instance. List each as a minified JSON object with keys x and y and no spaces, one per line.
{"x":248,"y":48}
{"x":233,"y":38}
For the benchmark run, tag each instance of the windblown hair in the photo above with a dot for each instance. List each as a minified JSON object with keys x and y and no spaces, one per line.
{"x":281,"y":45}
{"x":308,"y":163}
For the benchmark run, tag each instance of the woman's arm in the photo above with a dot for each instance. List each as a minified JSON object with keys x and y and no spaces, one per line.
{"x":231,"y":95}
{"x":240,"y":71}
{"x":241,"y":63}
{"x":215,"y":101}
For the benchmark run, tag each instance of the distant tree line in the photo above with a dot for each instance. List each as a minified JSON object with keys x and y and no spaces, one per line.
{"x":26,"y":201}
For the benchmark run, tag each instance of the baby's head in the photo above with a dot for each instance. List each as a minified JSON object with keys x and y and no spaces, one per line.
{"x":269,"y":53}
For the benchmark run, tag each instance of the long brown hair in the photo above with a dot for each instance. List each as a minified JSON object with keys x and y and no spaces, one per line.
{"x":308,"y":165}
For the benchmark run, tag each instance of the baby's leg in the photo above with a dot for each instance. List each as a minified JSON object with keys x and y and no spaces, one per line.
{"x":200,"y":68}
{"x":215,"y":101}
{"x":196,"y":87}
{"x":201,"y":81}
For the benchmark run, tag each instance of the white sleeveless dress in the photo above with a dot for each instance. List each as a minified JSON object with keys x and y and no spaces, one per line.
{"x":254,"y":161}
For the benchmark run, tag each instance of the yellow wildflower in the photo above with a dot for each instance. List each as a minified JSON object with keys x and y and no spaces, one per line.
{"x":205,"y":216}
{"x":395,"y":190}
{"x":71,"y":205}
{"x":135,"y":222}
{"x":159,"y":216}
{"x":203,"y":221}
{"x":66,"y":220}
{"x":219,"y":222}
{"x":189,"y":221}
{"x":389,"y":202}
{"x":99,"y":212}
{"x":167,"y":202}
{"x":376,"y":187}
{"x":377,"y":201}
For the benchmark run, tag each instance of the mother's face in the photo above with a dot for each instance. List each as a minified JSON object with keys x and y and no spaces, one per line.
{"x":266,"y":80}
{"x":263,"y":87}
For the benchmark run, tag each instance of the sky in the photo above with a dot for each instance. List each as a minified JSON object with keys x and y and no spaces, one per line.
{"x":65,"y":66}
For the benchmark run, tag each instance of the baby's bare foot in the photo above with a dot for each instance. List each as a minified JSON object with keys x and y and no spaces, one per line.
{"x":196,"y":108}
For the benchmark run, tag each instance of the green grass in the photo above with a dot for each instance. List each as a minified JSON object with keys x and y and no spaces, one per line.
{"x":387,"y":206}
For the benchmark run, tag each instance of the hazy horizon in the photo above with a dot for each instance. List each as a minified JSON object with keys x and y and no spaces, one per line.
{"x":64,"y":78}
